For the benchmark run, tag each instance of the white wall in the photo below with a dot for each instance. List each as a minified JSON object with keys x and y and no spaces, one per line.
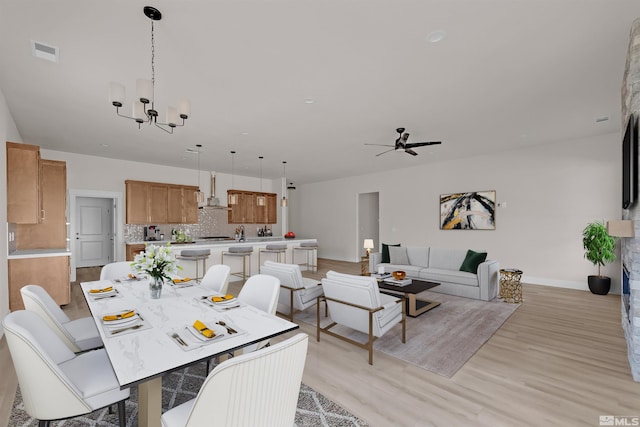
{"x":552,"y":192}
{"x":8,"y":132}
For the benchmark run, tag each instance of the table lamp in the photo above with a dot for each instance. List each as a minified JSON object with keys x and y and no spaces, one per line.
{"x":368,"y":245}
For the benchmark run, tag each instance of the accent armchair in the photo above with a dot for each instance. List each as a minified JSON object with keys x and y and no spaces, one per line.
{"x":356,"y":302}
{"x":303,"y":292}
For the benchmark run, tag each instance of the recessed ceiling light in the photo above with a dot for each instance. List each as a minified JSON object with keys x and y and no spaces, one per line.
{"x":104,"y":145}
{"x":436,"y":36}
{"x":43,"y":51}
{"x":309,"y":101}
{"x":244,"y":133}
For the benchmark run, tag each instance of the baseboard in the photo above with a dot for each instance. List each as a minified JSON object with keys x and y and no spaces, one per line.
{"x":558,"y":283}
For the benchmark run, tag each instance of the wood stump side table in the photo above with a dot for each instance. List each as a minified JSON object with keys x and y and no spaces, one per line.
{"x":510,"y":286}
{"x":364,"y":266}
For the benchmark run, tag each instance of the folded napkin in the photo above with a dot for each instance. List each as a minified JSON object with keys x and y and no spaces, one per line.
{"x":99,"y":291}
{"x":109,"y":317}
{"x":185,"y":280}
{"x":221,"y":299}
{"x":203,"y":329}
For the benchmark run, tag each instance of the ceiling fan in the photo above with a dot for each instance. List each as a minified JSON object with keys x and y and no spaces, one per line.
{"x":401,"y":144}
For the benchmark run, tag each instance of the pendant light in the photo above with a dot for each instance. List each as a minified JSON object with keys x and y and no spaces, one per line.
{"x":261,"y":200}
{"x":233,"y":198}
{"x":199,"y":194}
{"x":284,"y":202}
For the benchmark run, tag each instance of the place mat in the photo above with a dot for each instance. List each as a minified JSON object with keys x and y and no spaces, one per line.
{"x":183,"y":283}
{"x":188,"y":338}
{"x":123,"y":326}
{"x":220,"y":306}
{"x":113,"y":293}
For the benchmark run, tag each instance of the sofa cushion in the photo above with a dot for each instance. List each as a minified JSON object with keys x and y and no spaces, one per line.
{"x":449,"y":276}
{"x":418,"y":255}
{"x":385,"y":252}
{"x":446,"y":259}
{"x":398,"y":255}
{"x":472,"y":260}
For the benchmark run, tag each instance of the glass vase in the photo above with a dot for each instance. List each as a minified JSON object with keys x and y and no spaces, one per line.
{"x":155,"y":286}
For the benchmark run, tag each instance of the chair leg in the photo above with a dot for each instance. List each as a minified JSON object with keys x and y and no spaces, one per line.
{"x":122,"y":414}
{"x":43,"y":423}
{"x":208,"y":366}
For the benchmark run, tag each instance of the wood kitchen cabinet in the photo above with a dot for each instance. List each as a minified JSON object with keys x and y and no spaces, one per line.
{"x":160,"y":203}
{"x":51,"y":232}
{"x":23,"y":183}
{"x":183,"y":206}
{"x":133,"y":250}
{"x":247,"y":211}
{"x":52,"y":273}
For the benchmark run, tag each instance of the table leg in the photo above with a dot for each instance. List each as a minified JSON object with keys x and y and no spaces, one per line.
{"x":417,"y":306}
{"x":150,"y":403}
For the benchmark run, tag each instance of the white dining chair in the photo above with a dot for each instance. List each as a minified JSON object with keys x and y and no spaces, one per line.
{"x":260,"y":291}
{"x":116,"y":270}
{"x":256,"y":389}
{"x":217,"y":278}
{"x":79,"y":335}
{"x":56,"y":383}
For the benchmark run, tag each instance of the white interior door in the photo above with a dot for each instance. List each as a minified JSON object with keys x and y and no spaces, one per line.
{"x":94,"y":231}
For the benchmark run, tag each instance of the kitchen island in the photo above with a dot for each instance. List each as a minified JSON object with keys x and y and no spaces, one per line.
{"x":217,"y":246}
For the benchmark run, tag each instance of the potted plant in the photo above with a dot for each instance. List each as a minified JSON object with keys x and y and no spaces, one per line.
{"x":599,"y":249}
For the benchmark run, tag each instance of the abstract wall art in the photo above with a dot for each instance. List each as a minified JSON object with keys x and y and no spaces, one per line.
{"x":468,"y":211}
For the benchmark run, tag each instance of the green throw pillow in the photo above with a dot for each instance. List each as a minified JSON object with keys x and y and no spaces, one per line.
{"x":472,"y":261}
{"x":385,"y":252}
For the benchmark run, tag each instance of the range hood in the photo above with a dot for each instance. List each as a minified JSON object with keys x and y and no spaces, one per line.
{"x":213,"y":202}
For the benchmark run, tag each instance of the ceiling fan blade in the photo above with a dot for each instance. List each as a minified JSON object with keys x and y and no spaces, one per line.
{"x":410,"y":151}
{"x":421,"y":144}
{"x":380,"y":154}
{"x":380,"y":145}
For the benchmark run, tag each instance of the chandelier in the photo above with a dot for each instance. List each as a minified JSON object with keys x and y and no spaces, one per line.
{"x":144,"y":110}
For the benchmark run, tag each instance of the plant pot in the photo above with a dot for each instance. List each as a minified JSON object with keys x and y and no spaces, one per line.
{"x":599,"y":285}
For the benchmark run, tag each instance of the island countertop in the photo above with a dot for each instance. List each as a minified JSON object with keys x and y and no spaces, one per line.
{"x":224,"y":242}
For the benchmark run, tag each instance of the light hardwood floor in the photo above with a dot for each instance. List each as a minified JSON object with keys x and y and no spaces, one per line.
{"x":559,"y":360}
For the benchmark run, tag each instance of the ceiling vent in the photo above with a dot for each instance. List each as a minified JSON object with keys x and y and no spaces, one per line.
{"x":43,"y":51}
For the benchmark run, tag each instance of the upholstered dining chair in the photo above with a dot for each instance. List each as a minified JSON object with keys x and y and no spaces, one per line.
{"x":303,"y":291}
{"x":217,"y":278}
{"x":56,"y":383}
{"x":260,"y":291}
{"x":115,"y":270}
{"x":356,"y":302}
{"x":256,"y":389}
{"x":79,"y":335}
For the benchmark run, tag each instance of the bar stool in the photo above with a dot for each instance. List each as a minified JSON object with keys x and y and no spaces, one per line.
{"x":196,"y":255}
{"x":280,"y":249}
{"x":311,"y":254}
{"x":240,"y":251}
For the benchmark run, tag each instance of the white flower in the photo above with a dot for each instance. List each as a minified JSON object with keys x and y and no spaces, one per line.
{"x":156,"y":261}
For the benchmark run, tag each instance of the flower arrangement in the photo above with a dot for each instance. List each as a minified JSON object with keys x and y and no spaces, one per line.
{"x":156,"y":261}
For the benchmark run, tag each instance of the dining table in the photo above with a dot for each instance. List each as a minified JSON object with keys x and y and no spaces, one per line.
{"x":147,"y":338}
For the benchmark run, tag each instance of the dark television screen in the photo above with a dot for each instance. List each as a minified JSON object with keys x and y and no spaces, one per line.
{"x":629,"y":164}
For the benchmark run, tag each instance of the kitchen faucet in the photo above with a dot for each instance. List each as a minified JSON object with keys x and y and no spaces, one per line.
{"x":242,"y":233}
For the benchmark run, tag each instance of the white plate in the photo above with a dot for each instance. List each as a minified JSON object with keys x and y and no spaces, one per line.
{"x":118,"y":322}
{"x":219,"y":330}
{"x":100,"y":294}
{"x":231,"y":301}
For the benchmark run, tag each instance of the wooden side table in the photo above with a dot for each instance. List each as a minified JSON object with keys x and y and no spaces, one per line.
{"x":510,"y":286}
{"x":364,"y":266}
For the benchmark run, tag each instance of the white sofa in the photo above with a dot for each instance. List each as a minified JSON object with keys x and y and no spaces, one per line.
{"x":442,"y":266}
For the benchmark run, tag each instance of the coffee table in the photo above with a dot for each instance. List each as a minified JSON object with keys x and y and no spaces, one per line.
{"x":415,"y":306}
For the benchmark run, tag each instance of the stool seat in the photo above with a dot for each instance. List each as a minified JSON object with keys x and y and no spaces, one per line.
{"x":239,"y":251}
{"x":276,"y":247}
{"x":309,"y":245}
{"x":196,"y":255}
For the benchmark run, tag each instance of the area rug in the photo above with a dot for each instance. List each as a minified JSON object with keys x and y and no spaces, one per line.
{"x":441,"y":340}
{"x":313,"y":408}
